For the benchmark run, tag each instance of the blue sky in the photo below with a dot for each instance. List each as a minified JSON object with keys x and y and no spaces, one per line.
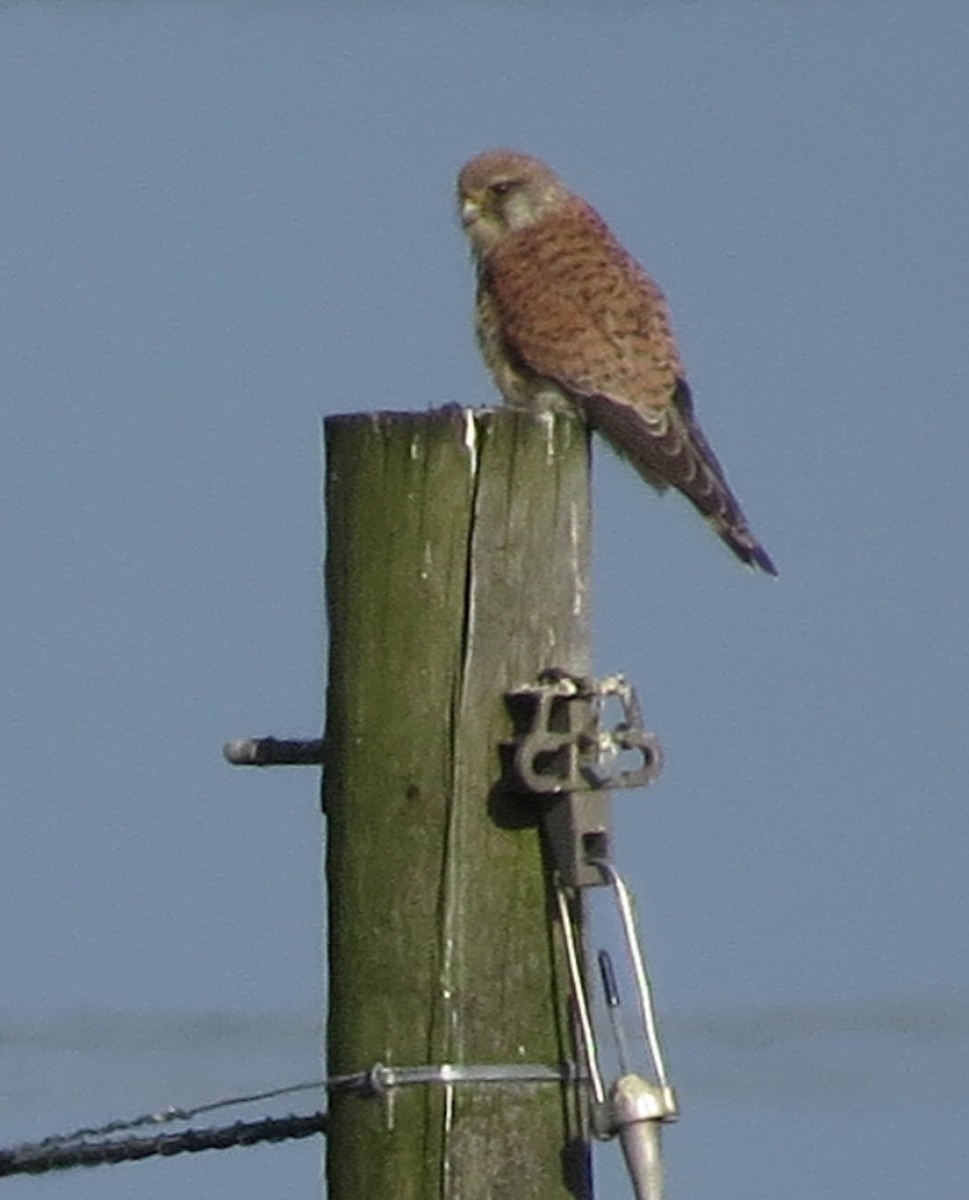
{"x":223,"y":221}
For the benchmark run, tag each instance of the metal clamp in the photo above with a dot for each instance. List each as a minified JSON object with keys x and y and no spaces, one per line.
{"x":568,"y":747}
{"x":571,"y":756}
{"x":635,"y":1107}
{"x":381,"y":1078}
{"x":567,"y":753}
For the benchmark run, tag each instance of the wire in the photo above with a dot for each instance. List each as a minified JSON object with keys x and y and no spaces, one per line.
{"x":42,"y":1157}
{"x":172,"y":1113}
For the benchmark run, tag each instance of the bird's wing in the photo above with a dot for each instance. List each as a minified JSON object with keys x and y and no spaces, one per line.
{"x":574,"y":308}
{"x":667,"y":446}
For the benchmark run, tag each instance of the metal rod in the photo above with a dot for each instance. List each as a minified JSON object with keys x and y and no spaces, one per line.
{"x":274,"y":752}
{"x":581,"y":997}
{"x":613,"y":1004}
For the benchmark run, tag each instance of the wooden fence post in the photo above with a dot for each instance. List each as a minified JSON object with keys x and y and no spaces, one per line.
{"x":456,"y":570}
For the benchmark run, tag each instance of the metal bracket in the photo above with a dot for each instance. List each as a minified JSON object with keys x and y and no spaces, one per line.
{"x":569,"y":754}
{"x":274,"y":752}
{"x":639,"y":1108}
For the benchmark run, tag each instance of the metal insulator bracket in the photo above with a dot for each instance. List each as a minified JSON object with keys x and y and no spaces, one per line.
{"x":567,"y":752}
{"x":274,"y":752}
{"x":638,"y":1110}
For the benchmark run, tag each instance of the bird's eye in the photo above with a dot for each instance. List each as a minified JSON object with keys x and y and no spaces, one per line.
{"x":501,"y":187}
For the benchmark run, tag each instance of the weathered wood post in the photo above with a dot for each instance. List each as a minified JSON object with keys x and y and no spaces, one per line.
{"x":456,"y":570}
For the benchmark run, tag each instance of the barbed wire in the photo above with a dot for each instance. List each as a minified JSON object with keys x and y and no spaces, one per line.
{"x":61,"y":1151}
{"x":173,"y":1113}
{"x":49,"y":1155}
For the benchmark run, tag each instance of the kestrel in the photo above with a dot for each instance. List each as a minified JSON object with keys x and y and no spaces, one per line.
{"x":566,"y":316}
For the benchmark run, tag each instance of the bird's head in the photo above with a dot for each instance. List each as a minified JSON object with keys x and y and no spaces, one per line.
{"x":501,"y":191}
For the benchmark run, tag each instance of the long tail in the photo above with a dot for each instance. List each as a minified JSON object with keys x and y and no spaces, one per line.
{"x":668,"y":448}
{"x":707,"y":489}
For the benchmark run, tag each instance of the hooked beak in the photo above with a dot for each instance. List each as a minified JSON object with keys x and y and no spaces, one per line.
{"x":470,"y":211}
